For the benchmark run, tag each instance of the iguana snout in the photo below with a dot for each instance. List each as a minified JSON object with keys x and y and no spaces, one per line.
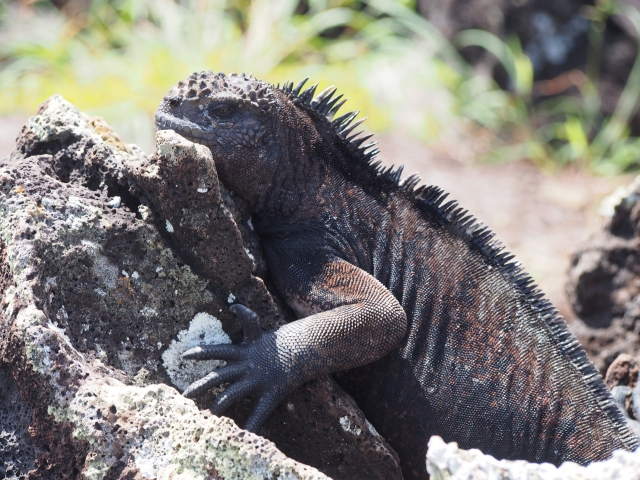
{"x":229,"y":114}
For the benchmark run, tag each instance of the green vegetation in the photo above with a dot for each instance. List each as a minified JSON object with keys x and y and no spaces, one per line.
{"x":119,"y":59}
{"x":567,"y":129}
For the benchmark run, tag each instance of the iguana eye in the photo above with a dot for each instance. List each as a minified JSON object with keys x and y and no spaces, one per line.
{"x":222,"y":110}
{"x":174,"y":102}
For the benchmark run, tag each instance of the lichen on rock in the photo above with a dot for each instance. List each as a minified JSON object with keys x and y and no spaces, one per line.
{"x":18,"y":453}
{"x":203,"y":329}
{"x":99,"y":299}
{"x":168,"y":437}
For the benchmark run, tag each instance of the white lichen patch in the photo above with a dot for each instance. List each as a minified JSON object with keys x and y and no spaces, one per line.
{"x":203,"y":190}
{"x":105,"y":270}
{"x":19,"y":256}
{"x":144,"y":211}
{"x":204,"y":329}
{"x":174,"y":148}
{"x":371,"y":428}
{"x":9,"y":298}
{"x":253,"y":259}
{"x":168,"y":226}
{"x":114,"y":202}
{"x":79,"y":214}
{"x":149,"y":312}
{"x":59,"y":118}
{"x":38,"y":333}
{"x":348,"y":426}
{"x":49,"y":204}
{"x":231,"y":298}
{"x":91,"y":247}
{"x":50,"y":282}
{"x":142,"y":377}
{"x":62,"y":314}
{"x":128,"y":363}
{"x":101,"y":353}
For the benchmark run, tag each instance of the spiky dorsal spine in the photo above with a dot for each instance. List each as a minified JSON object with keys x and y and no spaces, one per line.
{"x":478,"y":237}
{"x":482,"y":240}
{"x":326,"y":104}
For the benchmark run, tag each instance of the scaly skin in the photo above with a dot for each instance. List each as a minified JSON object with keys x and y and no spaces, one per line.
{"x":434,"y":329}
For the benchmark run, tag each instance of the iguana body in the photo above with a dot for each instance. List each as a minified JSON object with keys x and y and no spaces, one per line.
{"x":437,"y":331}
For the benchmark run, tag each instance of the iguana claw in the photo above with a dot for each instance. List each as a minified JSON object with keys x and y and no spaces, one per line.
{"x":253,"y":369}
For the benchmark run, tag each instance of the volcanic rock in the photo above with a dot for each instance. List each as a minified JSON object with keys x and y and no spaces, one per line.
{"x":113,"y":263}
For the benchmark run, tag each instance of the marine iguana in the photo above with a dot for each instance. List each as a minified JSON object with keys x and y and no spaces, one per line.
{"x":436,"y":328}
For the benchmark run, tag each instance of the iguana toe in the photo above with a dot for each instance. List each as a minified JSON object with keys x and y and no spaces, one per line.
{"x":213,"y":352}
{"x":263,"y":409}
{"x":253,"y":369}
{"x":250,"y":322}
{"x":214,"y":379}
{"x":232,"y":394}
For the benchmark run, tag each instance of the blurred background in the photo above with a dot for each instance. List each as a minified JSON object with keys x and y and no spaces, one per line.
{"x":525,"y":110}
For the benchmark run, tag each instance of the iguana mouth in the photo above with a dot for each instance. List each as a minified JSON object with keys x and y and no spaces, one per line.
{"x":184,"y":127}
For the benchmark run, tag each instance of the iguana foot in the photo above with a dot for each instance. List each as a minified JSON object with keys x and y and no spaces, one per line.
{"x":253,"y":369}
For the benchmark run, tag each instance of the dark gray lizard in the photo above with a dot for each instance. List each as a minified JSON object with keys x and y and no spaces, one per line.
{"x":436,"y":330}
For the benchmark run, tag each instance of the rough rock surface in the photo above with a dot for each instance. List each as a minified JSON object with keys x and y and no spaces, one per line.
{"x":623,"y":371}
{"x":603,"y":284}
{"x":622,"y":379}
{"x":18,"y":452}
{"x":112,"y":264}
{"x":445,"y":461}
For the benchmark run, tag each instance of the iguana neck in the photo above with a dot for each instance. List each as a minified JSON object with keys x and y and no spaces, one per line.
{"x":303,"y":185}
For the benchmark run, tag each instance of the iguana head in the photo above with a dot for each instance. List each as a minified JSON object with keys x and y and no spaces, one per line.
{"x":262,"y":136}
{"x":229,"y":114}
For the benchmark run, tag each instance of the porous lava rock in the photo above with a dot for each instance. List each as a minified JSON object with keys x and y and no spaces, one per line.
{"x":112,"y":263}
{"x":18,"y":452}
{"x":622,"y":379}
{"x":623,"y":371}
{"x":445,"y":461}
{"x":603,"y":284}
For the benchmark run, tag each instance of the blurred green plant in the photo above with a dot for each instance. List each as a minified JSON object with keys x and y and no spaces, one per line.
{"x":119,"y":58}
{"x":566,"y":129}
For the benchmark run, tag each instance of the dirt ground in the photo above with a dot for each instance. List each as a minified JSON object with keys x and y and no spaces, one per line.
{"x":541,"y":218}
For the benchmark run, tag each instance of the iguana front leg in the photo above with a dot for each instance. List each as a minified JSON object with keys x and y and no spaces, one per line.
{"x":353,"y":320}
